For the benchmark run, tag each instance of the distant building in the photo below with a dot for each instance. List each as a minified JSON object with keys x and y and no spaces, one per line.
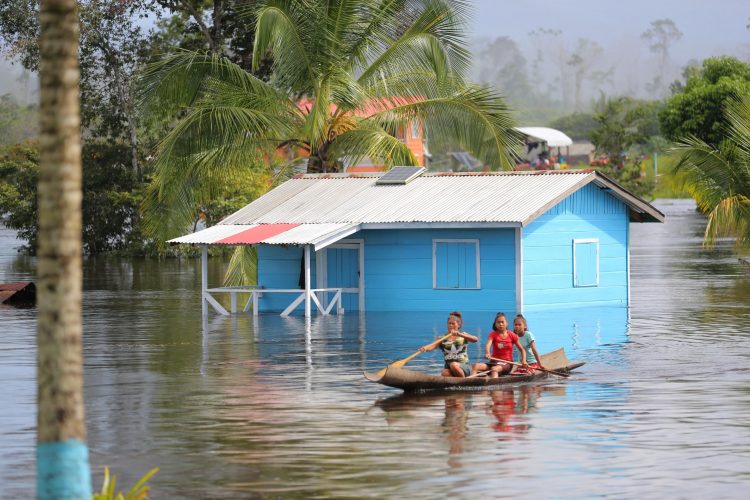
{"x":581,"y":152}
{"x":544,"y":147}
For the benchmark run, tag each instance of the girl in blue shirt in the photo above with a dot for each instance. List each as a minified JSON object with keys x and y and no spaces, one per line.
{"x":526,"y":338}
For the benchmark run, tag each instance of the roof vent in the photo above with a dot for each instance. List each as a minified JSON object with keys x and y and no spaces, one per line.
{"x":400,"y":175}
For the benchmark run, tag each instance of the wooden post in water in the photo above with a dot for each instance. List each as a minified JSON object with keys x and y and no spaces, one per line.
{"x":307,"y":282}
{"x":62,"y":458}
{"x":204,"y":279}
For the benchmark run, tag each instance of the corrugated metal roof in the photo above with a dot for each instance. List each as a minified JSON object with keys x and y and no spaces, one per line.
{"x":319,"y":209}
{"x":270,"y":234}
{"x":486,"y":197}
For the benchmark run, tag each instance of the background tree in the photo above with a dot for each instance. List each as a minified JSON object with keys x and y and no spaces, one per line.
{"x":697,"y":109}
{"x":623,"y":122}
{"x":660,"y":37}
{"x":718,"y":176}
{"x":550,"y":68}
{"x":500,"y":63}
{"x":583,"y":63}
{"x":113,"y":43}
{"x":62,"y":454}
{"x":117,"y":142}
{"x":577,"y":126}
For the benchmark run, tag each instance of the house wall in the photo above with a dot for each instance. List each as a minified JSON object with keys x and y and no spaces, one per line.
{"x":398,"y":272}
{"x":547,"y":247}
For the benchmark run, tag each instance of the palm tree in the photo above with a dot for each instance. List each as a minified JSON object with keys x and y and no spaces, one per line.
{"x":62,"y":455}
{"x":719,"y":176}
{"x":364,"y":69}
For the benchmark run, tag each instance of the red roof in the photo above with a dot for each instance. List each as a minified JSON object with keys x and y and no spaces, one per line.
{"x":256,"y":234}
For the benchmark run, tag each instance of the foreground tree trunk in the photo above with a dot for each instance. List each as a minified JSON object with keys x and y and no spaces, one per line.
{"x":62,"y":454}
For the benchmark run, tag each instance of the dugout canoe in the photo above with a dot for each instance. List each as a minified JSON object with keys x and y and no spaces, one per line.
{"x":411,"y":381}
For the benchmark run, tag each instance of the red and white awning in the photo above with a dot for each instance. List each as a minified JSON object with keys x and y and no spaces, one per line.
{"x":319,"y":235}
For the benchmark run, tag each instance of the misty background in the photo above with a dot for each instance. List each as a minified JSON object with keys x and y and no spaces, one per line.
{"x":552,"y":58}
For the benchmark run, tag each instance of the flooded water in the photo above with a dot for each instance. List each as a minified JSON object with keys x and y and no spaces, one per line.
{"x":269,"y":407}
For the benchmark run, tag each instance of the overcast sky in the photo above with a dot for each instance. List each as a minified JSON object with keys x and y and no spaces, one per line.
{"x":710,"y":27}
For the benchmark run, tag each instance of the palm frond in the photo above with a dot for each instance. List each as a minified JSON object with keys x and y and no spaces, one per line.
{"x":287,"y":29}
{"x":243,"y":267}
{"x":708,"y":174}
{"x":168,"y":210}
{"x":175,"y":81}
{"x":719,"y":176}
{"x":434,"y":40}
{"x":377,"y":27}
{"x":731,"y":217}
{"x":374,"y":142}
{"x":474,"y":117}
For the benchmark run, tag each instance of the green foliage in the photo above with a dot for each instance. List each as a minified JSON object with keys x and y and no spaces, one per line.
{"x":110,"y":195}
{"x":577,"y":126}
{"x":17,"y":122}
{"x":621,"y":122}
{"x":697,"y":108}
{"x":243,"y":267}
{"x":139,"y":491}
{"x":623,"y":125}
{"x":19,"y":171}
{"x":630,"y":176}
{"x":719,"y":176}
{"x":667,"y":183}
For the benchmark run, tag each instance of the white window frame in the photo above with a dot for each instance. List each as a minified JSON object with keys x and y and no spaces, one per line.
{"x":434,"y":262}
{"x":575,"y":274}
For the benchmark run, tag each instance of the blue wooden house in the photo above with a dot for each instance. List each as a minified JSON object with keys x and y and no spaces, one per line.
{"x":410,"y":240}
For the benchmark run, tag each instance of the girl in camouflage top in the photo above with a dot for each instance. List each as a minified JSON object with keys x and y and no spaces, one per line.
{"x":454,"y":347}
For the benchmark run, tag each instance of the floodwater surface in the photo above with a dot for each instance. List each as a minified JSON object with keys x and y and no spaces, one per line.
{"x":267,"y":407}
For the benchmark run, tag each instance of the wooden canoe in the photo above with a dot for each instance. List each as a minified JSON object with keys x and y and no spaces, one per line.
{"x":411,"y":381}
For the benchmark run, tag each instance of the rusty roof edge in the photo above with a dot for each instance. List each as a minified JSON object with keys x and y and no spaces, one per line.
{"x":633,"y":201}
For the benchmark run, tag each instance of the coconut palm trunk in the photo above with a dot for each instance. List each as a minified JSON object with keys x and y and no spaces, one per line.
{"x":62,"y":454}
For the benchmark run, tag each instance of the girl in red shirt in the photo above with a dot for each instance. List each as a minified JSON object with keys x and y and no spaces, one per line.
{"x":501,"y":340}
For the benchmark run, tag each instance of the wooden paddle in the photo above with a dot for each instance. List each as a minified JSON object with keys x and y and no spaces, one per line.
{"x":401,"y":362}
{"x":561,"y":374}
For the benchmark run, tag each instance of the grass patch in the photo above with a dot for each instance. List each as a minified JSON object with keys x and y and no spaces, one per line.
{"x":668,"y":183}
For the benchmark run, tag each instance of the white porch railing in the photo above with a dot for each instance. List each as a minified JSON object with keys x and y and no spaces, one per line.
{"x":256,"y":292}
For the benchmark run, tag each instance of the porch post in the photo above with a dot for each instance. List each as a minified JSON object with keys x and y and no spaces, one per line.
{"x":307,"y":281}
{"x":204,"y":279}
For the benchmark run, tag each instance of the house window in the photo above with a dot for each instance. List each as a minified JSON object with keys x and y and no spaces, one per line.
{"x":585,"y":262}
{"x":455,"y":264}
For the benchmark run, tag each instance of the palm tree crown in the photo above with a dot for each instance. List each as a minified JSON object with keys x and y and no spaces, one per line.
{"x":719,"y":176}
{"x":367,"y":68}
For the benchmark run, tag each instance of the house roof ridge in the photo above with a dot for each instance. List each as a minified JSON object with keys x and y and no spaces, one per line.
{"x":501,"y":173}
